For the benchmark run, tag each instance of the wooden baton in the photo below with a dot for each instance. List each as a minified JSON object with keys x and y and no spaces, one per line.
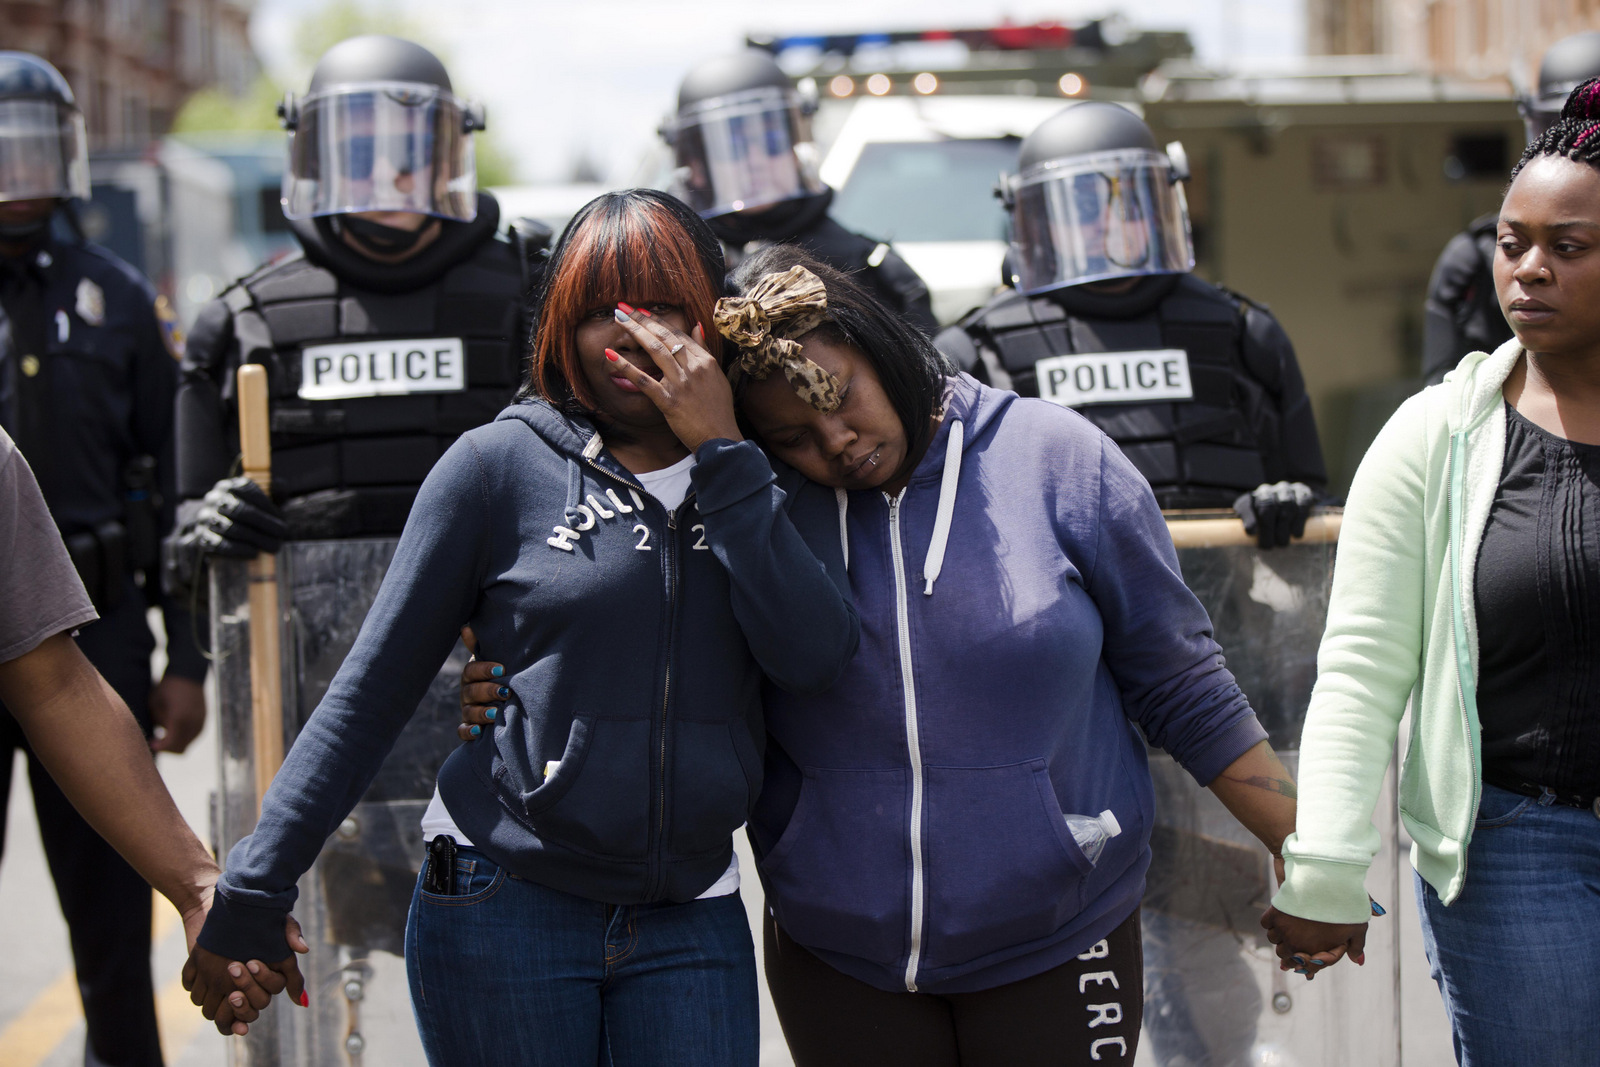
{"x":266,"y":683}
{"x":1321,"y":529}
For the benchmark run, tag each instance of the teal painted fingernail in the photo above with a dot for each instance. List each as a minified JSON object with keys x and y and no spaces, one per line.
{"x":491,"y":713}
{"x":1377,"y":909}
{"x":497,"y":671}
{"x":475,"y":731}
{"x":1319,"y":963}
{"x":502,"y":692}
{"x":621,"y":315}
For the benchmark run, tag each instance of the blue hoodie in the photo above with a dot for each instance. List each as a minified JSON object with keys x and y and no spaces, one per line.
{"x":1023,"y":619}
{"x":634,"y":641}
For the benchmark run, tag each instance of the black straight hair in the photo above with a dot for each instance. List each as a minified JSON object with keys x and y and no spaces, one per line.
{"x":911,"y":370}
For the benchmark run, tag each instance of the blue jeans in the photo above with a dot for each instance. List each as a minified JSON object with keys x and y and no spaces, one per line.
{"x":506,"y":971}
{"x":1511,"y":953}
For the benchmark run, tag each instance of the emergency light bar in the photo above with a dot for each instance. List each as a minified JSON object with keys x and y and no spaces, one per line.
{"x":1038,"y":36}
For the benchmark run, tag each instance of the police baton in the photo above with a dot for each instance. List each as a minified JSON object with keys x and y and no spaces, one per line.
{"x":266,"y":683}
{"x":1209,"y":530}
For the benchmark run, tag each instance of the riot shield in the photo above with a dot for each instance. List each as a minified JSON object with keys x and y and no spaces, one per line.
{"x":353,"y":901}
{"x":1214,"y":996}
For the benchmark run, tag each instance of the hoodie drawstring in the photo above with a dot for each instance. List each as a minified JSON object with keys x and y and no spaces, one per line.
{"x":947,"y":506}
{"x":574,"y":487}
{"x":842,"y":498}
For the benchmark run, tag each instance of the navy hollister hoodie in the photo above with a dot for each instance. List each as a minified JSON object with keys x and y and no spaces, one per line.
{"x":1023,"y":620}
{"x":635,"y":642}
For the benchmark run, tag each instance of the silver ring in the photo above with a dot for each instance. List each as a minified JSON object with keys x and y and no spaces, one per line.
{"x":676,"y":349}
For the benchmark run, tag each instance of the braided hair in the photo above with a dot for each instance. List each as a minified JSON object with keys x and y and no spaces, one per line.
{"x":1575,"y":135}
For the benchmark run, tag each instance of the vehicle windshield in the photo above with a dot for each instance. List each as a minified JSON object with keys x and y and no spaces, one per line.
{"x":927,"y":190}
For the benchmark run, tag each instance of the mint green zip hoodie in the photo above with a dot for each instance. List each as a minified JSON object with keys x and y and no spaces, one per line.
{"x":1401,"y":628}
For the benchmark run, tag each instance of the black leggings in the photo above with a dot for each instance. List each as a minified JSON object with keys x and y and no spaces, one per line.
{"x":1086,"y":1011}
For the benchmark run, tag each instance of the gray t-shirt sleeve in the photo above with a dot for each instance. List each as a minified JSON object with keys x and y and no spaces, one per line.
{"x":40,"y":594}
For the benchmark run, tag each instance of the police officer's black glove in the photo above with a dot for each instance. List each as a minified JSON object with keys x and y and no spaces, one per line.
{"x":235,"y":519}
{"x":1274,"y":513}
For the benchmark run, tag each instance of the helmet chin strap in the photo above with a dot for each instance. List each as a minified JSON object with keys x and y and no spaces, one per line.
{"x":376,"y":237}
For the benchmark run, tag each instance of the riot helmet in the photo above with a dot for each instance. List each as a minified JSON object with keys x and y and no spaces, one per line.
{"x":44,"y":151}
{"x":1567,"y":64}
{"x":741,"y":137}
{"x":380,"y":130}
{"x":1095,"y":199}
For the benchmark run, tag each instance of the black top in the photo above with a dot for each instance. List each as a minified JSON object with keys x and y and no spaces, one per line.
{"x":1538,"y":609}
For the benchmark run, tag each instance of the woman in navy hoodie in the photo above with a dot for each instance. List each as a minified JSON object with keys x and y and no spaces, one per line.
{"x":953,"y":838}
{"x":632,"y":562}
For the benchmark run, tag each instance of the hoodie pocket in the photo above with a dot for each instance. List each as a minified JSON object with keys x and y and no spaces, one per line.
{"x":1002,"y":867}
{"x":711,"y":791}
{"x":839,"y":877}
{"x":597,"y":799}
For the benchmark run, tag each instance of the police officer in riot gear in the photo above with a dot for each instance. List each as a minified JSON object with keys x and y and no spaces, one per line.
{"x":745,"y":161}
{"x":1198,"y":386}
{"x":87,"y":379}
{"x":1462,"y":313}
{"x":400,"y":324}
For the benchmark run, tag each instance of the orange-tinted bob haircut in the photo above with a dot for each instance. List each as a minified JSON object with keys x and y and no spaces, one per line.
{"x":638,"y":245}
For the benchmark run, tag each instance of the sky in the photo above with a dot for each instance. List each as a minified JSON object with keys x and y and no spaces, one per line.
{"x":596,"y":77}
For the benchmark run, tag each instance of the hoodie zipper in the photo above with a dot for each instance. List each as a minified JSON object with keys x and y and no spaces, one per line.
{"x":1460,"y":641}
{"x":913,"y":743}
{"x":669,"y":562}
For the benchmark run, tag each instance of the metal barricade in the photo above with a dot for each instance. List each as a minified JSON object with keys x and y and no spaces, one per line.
{"x":1214,"y":996}
{"x":353,"y":901}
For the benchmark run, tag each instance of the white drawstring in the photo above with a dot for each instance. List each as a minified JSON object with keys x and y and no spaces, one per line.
{"x":947,"y":507}
{"x":843,"y":500}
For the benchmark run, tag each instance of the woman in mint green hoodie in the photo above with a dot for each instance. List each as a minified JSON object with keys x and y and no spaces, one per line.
{"x":1468,"y":586}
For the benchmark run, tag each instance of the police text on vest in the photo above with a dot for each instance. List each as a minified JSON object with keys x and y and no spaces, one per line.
{"x":1115,"y":377}
{"x":382,"y":368}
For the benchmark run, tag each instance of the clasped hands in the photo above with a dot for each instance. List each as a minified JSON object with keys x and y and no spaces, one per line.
{"x":1307,"y":946}
{"x":232,"y":994}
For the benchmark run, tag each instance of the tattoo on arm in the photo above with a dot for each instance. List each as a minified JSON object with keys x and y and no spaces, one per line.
{"x":1284,"y":786}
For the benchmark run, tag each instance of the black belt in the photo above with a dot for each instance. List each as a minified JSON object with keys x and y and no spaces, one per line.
{"x":1533,"y":789}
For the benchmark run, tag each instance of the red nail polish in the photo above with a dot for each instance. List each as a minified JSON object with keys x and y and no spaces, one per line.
{"x":625,"y":307}
{"x":305,"y":1001}
{"x":646,"y":314}
{"x":612,"y":356}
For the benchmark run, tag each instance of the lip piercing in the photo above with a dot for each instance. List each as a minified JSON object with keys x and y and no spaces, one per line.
{"x":675,"y":349}
{"x":873,"y":459}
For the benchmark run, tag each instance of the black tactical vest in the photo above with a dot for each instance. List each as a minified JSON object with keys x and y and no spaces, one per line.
{"x":1196,"y":453}
{"x":351,"y":465}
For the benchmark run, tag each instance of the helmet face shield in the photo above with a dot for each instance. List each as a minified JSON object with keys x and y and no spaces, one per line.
{"x":1106,"y":215}
{"x":398,"y":146}
{"x":44,"y":151}
{"x":743,"y":151}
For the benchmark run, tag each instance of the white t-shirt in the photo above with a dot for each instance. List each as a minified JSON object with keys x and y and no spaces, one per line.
{"x":669,"y":485}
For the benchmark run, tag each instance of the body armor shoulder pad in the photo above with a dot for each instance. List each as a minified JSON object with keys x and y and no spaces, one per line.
{"x":1011,"y":309}
{"x":1195,"y":300}
{"x":295,"y":278}
{"x":494,"y":267}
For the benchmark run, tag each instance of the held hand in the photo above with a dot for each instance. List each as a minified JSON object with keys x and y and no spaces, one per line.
{"x":693,"y":392}
{"x":1307,"y":946}
{"x":232,"y":994}
{"x":1275,"y":512}
{"x":178,"y":712}
{"x":482,"y":685}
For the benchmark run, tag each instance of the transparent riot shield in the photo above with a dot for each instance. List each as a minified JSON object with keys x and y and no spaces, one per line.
{"x":353,"y":901}
{"x":1214,"y":996}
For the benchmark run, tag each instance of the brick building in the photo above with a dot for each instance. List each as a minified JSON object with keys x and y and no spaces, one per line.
{"x":132,"y":63}
{"x":1489,"y":40}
